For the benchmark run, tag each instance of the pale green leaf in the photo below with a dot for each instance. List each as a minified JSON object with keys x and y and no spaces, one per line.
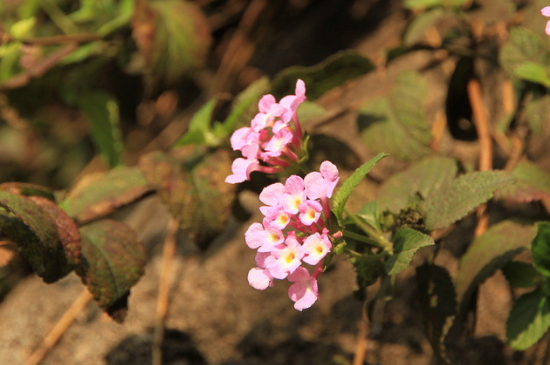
{"x":397,"y":123}
{"x":405,"y":244}
{"x":489,"y":252}
{"x":418,"y":26}
{"x":524,"y":47}
{"x":533,"y":183}
{"x":537,"y":111}
{"x":343,"y":193}
{"x":533,"y":72}
{"x":461,"y":196}
{"x":200,"y":131}
{"x":425,"y":176}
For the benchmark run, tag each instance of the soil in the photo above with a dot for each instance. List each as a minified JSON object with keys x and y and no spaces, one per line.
{"x":215,"y":317}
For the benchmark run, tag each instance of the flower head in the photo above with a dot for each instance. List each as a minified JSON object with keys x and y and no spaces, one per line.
{"x":273,"y":140}
{"x":293,"y":233}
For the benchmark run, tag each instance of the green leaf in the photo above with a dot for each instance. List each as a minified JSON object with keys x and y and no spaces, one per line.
{"x":124,"y":15}
{"x":489,"y":252}
{"x":529,"y":320}
{"x":112,"y":261}
{"x":540,"y":248}
{"x":343,"y":193}
{"x":521,"y":274}
{"x":370,"y":214}
{"x":405,"y":244}
{"x":437,"y":303}
{"x":461,"y":196}
{"x":418,"y":26}
{"x":397,"y":123}
{"x":97,"y":195}
{"x":172,"y":36}
{"x":425,"y":176}
{"x":332,"y":72}
{"x":533,"y":72}
{"x":524,"y":50}
{"x":192,"y":185}
{"x":101,"y":111}
{"x":36,"y":235}
{"x":537,"y":111}
{"x":421,"y":4}
{"x":200,"y":131}
{"x":533,"y":183}
{"x":368,"y":270}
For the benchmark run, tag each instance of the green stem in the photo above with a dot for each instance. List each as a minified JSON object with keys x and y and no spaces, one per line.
{"x":381,"y":241}
{"x":58,"y":17}
{"x":361,"y":238}
{"x":358,"y":255}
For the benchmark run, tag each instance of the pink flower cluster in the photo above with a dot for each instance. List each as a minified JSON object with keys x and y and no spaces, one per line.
{"x":293,"y":232}
{"x":546,"y":12}
{"x":272,"y":141}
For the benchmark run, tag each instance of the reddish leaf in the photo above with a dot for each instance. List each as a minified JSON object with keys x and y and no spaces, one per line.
{"x":27,"y":189}
{"x":36,"y":235}
{"x":67,"y":229}
{"x":192,"y":185}
{"x":113,"y":260}
{"x":172,"y":37}
{"x":100,"y":194}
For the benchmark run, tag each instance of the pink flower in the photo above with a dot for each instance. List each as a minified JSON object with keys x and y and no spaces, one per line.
{"x":546,"y":12}
{"x":316,"y":247}
{"x":272,"y":193}
{"x":276,"y":215}
{"x":310,"y":211}
{"x":321,"y":184}
{"x":259,"y":278}
{"x":241,"y":169}
{"x":271,"y":143}
{"x":294,"y":194}
{"x":263,"y":237}
{"x":293,"y":233}
{"x":285,"y":260}
{"x":304,"y":292}
{"x":277,"y":143}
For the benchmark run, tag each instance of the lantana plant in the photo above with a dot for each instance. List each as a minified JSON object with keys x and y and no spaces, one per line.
{"x":299,"y":227}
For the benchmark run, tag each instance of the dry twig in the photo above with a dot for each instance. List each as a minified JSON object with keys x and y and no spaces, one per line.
{"x":168,"y":252}
{"x":486,"y":150}
{"x":60,"y":327}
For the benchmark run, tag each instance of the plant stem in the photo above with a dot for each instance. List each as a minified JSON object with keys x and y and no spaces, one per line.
{"x":381,"y":241}
{"x":58,"y":17}
{"x":363,"y":256}
{"x":361,"y":238}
